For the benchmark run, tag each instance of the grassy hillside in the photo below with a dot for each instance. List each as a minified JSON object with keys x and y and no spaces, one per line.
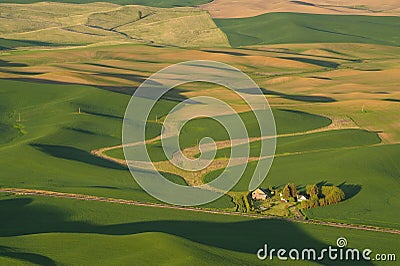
{"x":314,"y":142}
{"x":155,"y":3}
{"x":53,"y":231}
{"x":52,"y":136}
{"x":194,"y":130}
{"x":362,"y":172}
{"x":72,"y":24}
{"x":50,"y":147}
{"x":277,"y":28}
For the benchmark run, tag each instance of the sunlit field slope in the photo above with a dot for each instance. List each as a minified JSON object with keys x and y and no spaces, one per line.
{"x":155,"y":3}
{"x":245,"y":8}
{"x":50,"y":23}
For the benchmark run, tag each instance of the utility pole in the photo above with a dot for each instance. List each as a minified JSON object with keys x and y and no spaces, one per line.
{"x":19,"y":118}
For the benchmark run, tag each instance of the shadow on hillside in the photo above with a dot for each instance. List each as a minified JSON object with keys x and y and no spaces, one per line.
{"x":289,"y":52}
{"x":392,"y":100}
{"x":70,"y":153}
{"x":350,"y":190}
{"x":20,"y":217}
{"x":119,"y":89}
{"x":130,"y":77}
{"x":321,"y":63}
{"x":225,"y":52}
{"x":79,"y":130}
{"x":322,"y":78}
{"x":174,"y":95}
{"x":9,"y":44}
{"x":21,"y":72}
{"x":27,"y":257}
{"x":302,"y":3}
{"x":102,"y":115}
{"x":294,"y":97}
{"x":4,"y":63}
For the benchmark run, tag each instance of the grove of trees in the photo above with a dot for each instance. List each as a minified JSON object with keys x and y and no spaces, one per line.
{"x":321,"y":196}
{"x":289,"y":192}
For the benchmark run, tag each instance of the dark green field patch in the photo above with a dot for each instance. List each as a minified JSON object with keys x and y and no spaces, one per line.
{"x":279,"y":28}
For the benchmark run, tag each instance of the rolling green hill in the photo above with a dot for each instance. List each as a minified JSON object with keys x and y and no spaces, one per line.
{"x":279,"y":28}
{"x":52,"y":136}
{"x":50,"y":231}
{"x":314,"y":142}
{"x":362,"y":172}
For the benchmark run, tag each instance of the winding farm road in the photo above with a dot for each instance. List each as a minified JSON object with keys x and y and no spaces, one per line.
{"x":53,"y":194}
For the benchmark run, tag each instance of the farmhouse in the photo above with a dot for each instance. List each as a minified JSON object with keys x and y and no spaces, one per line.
{"x":259,"y":194}
{"x":300,"y":198}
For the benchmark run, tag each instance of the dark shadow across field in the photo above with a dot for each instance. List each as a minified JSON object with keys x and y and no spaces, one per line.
{"x":27,"y":257}
{"x":350,"y":190}
{"x":4,"y":63}
{"x":102,"y":115}
{"x":316,"y":62}
{"x":174,"y":95}
{"x":295,"y":97}
{"x":225,"y":52}
{"x":8,"y":44}
{"x":323,"y":78}
{"x":392,"y":100}
{"x":130,"y":77}
{"x":23,"y":218}
{"x":289,"y":52}
{"x":70,"y":153}
{"x":303,"y":3}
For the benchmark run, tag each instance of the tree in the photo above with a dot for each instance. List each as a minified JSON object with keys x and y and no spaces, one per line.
{"x":314,"y":201}
{"x":322,"y":202}
{"x":332,"y":194}
{"x":286,"y":192}
{"x":305,"y":204}
{"x":312,"y":190}
{"x":293,"y":190}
